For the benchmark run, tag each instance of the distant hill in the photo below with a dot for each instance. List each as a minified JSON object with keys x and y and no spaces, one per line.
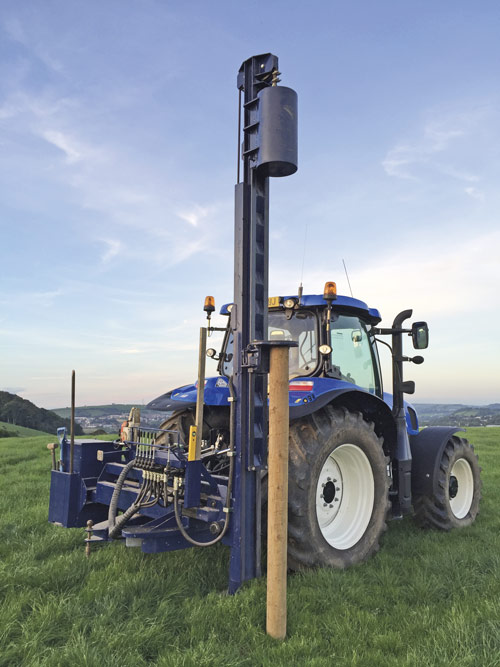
{"x":17,"y":411}
{"x":97,"y":410}
{"x":457,"y":414}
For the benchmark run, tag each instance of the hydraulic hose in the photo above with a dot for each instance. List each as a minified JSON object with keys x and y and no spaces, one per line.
{"x":178,"y":520}
{"x":122,"y":520}
{"x":219,"y":537}
{"x":114,"y":525}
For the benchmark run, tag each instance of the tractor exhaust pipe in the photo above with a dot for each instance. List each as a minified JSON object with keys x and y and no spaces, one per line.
{"x":403,"y":451}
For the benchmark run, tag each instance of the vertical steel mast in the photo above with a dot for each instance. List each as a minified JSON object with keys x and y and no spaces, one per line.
{"x":269,"y":149}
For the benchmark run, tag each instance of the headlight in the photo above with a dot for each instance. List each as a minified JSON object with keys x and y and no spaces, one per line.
{"x":211,"y":352}
{"x":325,"y":349}
{"x":289,"y":303}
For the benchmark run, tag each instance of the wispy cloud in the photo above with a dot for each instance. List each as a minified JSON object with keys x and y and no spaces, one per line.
{"x":72,"y":152}
{"x":44,"y":106}
{"x":445,"y":144}
{"x":194,"y":215}
{"x":458,"y":174}
{"x":401,"y":160}
{"x":109,"y":183}
{"x":120,"y":191}
{"x":15,"y":29}
{"x":113,"y":249}
{"x":474,"y":193}
{"x":33,"y":298}
{"x":437,"y":278}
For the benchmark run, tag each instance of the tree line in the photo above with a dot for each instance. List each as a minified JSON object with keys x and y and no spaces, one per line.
{"x":21,"y":412}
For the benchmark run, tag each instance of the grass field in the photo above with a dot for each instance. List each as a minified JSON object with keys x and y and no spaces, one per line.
{"x":25,"y":432}
{"x":425,"y":599}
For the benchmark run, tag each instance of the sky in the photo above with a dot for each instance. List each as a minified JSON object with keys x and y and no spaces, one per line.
{"x":118,"y":152}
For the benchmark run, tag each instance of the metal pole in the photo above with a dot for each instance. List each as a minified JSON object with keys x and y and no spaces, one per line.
{"x":192,"y":479}
{"x":72,"y":440}
{"x":200,"y":396}
{"x":277,"y":493}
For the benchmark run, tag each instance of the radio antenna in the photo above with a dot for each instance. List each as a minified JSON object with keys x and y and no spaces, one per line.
{"x":347,"y":276}
{"x":303,"y":262}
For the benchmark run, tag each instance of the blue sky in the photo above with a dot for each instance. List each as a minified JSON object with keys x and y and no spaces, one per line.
{"x":118,"y":162}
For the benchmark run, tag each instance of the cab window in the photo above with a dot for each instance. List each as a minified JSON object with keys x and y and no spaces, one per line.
{"x":301,"y":328}
{"x":352,"y":353}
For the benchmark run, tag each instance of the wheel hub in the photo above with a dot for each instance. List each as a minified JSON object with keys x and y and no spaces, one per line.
{"x":461,"y":488}
{"x":344,"y":496}
{"x":329,"y":492}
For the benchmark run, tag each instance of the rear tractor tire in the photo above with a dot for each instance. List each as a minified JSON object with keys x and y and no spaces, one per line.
{"x":457,"y":492}
{"x":180,"y":422}
{"x":338,"y":494}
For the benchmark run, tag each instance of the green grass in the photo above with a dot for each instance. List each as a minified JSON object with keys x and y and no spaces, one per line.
{"x":25,"y":432}
{"x":426,"y":598}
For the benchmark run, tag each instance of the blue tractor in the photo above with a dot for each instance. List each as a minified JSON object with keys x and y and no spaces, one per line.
{"x":357,"y":457}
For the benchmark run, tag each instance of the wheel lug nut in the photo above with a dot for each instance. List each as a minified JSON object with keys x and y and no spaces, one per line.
{"x":334,"y":481}
{"x":328,"y":479}
{"x":337,"y":488}
{"x":336,"y":500}
{"x":324,"y":504}
{"x":331,"y":506}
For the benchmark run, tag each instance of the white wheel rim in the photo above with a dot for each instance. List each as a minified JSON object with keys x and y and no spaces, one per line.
{"x":461,"y":503}
{"x":345,"y":496}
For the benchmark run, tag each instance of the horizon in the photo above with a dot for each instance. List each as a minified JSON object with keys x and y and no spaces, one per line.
{"x":68,"y":407}
{"x":118,"y":165}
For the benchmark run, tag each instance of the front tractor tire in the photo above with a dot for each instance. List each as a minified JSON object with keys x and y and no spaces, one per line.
{"x":338,"y":494}
{"x":457,"y":489}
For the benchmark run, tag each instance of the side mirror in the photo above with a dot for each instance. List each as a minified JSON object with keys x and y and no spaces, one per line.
{"x":420,"y":335}
{"x":356,"y":336}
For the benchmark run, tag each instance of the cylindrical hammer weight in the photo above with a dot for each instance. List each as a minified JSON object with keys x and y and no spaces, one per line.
{"x":277,"y":493}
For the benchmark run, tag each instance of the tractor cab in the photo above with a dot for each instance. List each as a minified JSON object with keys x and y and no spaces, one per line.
{"x":335,"y":355}
{"x":334,"y":340}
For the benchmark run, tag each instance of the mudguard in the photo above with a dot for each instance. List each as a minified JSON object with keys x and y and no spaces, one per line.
{"x":373,"y":408}
{"x":427,"y":449}
{"x":216,"y":392}
{"x":358,"y":396}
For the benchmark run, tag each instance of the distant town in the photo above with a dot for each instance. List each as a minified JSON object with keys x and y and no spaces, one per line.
{"x":449,"y":414}
{"x":109,"y":418}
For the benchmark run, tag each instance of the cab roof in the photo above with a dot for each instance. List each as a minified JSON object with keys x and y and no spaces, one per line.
{"x":344,"y":303}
